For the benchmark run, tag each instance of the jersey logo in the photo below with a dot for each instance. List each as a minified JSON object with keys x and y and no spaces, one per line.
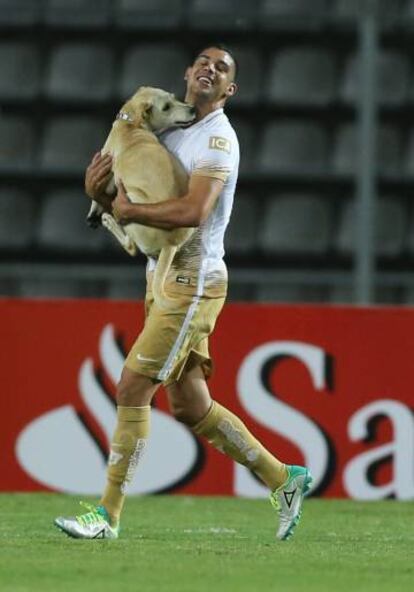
{"x":180,"y":279}
{"x":217,"y":143}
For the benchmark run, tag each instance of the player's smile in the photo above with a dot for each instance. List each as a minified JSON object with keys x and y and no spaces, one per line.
{"x":205,"y":76}
{"x":204,"y":80}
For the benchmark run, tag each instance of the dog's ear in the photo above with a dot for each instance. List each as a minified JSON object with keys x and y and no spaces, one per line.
{"x":146,"y":111}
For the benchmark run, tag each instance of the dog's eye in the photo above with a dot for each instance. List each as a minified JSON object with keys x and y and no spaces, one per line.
{"x":167,"y":107}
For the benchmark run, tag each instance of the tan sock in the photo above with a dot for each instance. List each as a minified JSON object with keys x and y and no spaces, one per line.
{"x":128,"y":444}
{"x":226,"y":432}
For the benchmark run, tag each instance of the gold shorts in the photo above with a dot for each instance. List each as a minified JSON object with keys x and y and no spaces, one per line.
{"x":172,"y":340}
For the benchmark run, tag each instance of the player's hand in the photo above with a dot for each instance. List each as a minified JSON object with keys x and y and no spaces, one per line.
{"x":97,"y":176}
{"x":121,"y":205}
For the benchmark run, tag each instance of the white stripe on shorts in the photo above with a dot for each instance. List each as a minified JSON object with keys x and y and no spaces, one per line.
{"x":166,"y":369}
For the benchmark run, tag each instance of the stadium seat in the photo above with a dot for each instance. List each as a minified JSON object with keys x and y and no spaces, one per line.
{"x":411,"y":86}
{"x":158,"y":65}
{"x":382,"y":294}
{"x":341,"y":294}
{"x":389,"y":295}
{"x":17,"y":144}
{"x":392,"y":80}
{"x":346,"y":155}
{"x":408,"y":295}
{"x":294,"y":147}
{"x":349,"y":10}
{"x":290,"y":293}
{"x":19,"y":13}
{"x":275,"y":14}
{"x":157,"y":14}
{"x":409,"y":9}
{"x":9,"y":287}
{"x":17,"y":218}
{"x":20,"y":70}
{"x":78,"y":13}
{"x":408,"y":159}
{"x":59,"y":288}
{"x":296,"y":224}
{"x":80,"y":72}
{"x":213,"y":15}
{"x":240,"y":292}
{"x":247,"y":136}
{"x":389,"y":231}
{"x":126,"y":290}
{"x":70,"y":142}
{"x":62,"y":225}
{"x":249,"y":76}
{"x":302,"y":76}
{"x":409,"y":242}
{"x":346,"y":9}
{"x":241,"y":234}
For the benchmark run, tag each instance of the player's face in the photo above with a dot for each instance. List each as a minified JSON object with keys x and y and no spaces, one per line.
{"x":211,"y":76}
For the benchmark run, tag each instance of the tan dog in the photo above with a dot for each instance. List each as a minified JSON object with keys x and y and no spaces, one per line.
{"x":150,"y":174}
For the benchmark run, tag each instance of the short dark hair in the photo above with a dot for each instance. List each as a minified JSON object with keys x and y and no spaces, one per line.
{"x":222,"y":47}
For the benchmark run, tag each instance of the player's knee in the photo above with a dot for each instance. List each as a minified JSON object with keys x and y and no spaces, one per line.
{"x":125,"y":394}
{"x":179,"y":412}
{"x":183,"y":414}
{"x":135,"y":391}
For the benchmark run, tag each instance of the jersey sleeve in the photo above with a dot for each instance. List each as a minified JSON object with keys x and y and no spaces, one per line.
{"x":216,"y":157}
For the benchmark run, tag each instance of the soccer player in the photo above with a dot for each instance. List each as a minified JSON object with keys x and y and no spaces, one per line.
{"x":173,"y":346}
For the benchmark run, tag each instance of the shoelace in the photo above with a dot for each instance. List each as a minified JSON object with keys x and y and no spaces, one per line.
{"x":89,"y":517}
{"x":274,"y":501}
{"x":273,"y":496}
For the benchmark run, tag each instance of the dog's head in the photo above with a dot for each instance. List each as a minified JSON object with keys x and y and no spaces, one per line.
{"x":156,"y":109}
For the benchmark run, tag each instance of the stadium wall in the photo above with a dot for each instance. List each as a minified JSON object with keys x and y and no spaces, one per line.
{"x":331,"y":387}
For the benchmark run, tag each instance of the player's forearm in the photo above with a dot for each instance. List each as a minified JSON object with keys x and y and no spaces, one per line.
{"x":167,"y":215}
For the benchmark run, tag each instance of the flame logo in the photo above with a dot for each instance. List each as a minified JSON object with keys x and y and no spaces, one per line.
{"x":57,"y":449}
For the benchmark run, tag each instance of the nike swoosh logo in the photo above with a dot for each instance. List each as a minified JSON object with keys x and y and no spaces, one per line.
{"x":142,"y":359}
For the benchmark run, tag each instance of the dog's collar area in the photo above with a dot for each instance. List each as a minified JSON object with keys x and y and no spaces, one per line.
{"x":124,"y":116}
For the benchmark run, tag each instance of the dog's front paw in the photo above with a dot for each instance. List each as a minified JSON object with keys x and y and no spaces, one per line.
{"x":108,"y":222}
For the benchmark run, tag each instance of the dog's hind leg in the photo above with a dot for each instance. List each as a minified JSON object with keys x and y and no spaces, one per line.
{"x":112,"y":225}
{"x":94,"y":216}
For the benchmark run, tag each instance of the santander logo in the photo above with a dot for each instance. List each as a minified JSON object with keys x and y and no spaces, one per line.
{"x":57,"y":450}
{"x":317,"y":446}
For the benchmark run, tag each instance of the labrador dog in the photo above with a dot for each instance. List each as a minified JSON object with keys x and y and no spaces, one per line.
{"x":150,"y":174}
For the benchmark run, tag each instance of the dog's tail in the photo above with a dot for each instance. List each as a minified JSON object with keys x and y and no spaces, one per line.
{"x":165,"y":259}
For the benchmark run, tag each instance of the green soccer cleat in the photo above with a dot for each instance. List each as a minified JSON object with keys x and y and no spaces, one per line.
{"x":288,"y":499}
{"x":94,"y":524}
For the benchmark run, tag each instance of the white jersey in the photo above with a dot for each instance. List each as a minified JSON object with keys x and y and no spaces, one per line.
{"x":208,"y":148}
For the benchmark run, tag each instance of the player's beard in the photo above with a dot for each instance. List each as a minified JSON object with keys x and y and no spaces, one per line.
{"x":209,"y":94}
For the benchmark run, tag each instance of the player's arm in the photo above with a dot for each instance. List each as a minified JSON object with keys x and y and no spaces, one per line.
{"x":191,"y":210}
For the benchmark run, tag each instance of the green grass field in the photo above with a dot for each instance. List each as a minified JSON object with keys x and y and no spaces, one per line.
{"x":186,"y":544}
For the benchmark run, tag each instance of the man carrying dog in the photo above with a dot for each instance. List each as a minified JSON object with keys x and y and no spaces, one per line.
{"x":173,"y":346}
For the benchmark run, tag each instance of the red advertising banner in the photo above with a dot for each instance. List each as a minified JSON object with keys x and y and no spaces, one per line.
{"x":327,"y":386}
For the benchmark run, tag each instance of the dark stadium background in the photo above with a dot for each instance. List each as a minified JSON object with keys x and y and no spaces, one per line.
{"x":324,"y":208}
